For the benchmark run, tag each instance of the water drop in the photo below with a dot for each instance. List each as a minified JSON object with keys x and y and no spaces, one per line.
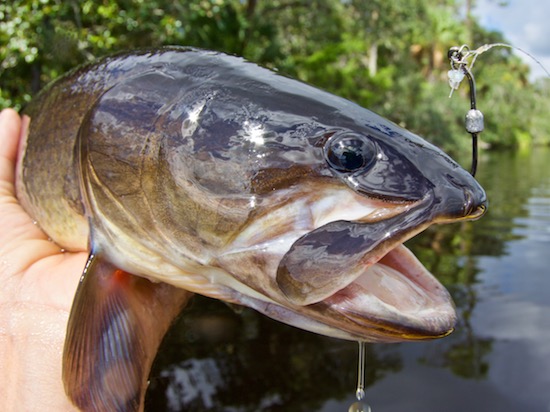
{"x":360,"y":405}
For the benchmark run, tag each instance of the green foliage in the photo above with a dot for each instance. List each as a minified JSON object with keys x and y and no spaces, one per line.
{"x":387,"y":56}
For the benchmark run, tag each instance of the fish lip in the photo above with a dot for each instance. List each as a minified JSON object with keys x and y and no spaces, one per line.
{"x":476,"y":203}
{"x":461,"y":201}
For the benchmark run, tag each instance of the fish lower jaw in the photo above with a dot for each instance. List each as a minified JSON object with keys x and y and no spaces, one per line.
{"x":382,"y":305}
{"x":395,"y":299}
{"x":385,"y":324}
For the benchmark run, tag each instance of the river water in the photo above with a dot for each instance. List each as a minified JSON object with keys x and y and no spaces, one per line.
{"x":498,"y":359}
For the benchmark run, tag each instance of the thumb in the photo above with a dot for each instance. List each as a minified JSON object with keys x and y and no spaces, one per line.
{"x":10,"y":131}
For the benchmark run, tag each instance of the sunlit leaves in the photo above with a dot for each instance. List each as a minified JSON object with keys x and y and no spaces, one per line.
{"x":387,"y":56}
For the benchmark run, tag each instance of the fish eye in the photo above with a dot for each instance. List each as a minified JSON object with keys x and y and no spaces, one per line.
{"x":348,"y":152}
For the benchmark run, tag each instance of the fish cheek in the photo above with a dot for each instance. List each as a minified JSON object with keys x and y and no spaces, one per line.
{"x":266,"y":181}
{"x":252,"y":268}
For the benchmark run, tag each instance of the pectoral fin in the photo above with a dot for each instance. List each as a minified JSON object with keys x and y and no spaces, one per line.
{"x":116,"y":324}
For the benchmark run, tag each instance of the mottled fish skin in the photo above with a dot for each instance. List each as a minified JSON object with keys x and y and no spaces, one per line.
{"x":202,"y":171}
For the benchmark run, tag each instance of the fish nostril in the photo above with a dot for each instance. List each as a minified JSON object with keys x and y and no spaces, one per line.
{"x":468,"y":203}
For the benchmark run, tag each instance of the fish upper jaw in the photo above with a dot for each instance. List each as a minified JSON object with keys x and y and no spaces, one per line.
{"x":296,"y":214}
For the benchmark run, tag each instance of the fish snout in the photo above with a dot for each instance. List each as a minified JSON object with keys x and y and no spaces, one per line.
{"x":475,"y":203}
{"x":463,"y":200}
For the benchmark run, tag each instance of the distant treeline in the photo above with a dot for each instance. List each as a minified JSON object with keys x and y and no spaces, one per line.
{"x":390,"y":57}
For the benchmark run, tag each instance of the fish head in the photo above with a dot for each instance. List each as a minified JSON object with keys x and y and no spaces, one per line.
{"x":281,"y":197}
{"x":330,"y":191}
{"x":330,"y":254}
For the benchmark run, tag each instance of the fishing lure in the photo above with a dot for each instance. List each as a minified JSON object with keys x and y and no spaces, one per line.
{"x":460,"y":68}
{"x":462,"y":60}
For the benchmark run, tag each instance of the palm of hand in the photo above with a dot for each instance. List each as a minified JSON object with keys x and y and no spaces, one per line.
{"x":37,"y":286}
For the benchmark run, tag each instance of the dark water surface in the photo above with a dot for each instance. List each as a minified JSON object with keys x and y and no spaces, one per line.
{"x":498,"y":359}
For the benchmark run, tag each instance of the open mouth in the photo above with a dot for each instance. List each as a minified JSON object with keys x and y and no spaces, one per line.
{"x":361,"y":278}
{"x":395,"y":299}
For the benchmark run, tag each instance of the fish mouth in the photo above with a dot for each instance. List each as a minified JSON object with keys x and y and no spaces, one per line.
{"x":360,"y":278}
{"x":394,"y":299}
{"x":353,"y":279}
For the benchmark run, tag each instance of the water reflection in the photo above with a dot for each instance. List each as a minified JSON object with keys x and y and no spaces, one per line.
{"x":256,"y":364}
{"x":498,"y":357}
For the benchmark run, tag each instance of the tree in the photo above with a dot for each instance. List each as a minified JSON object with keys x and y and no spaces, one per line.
{"x":386,"y":56}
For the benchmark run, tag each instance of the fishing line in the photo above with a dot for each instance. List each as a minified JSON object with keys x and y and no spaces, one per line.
{"x":485,"y":47}
{"x":361,"y":405}
{"x":462,"y":60}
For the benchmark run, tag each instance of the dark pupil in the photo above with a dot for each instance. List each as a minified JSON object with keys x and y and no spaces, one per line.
{"x":351,"y":159}
{"x":350,"y":153}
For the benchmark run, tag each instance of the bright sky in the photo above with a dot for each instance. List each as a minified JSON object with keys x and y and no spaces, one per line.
{"x":524,"y":23}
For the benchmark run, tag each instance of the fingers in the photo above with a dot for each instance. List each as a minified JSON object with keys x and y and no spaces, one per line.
{"x":10,"y":126}
{"x":10,"y":129}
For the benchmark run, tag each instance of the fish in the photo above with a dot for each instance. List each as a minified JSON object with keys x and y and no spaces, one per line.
{"x":186,"y":171}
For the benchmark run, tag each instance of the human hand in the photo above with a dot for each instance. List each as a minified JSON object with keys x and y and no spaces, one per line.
{"x":37,"y":285}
